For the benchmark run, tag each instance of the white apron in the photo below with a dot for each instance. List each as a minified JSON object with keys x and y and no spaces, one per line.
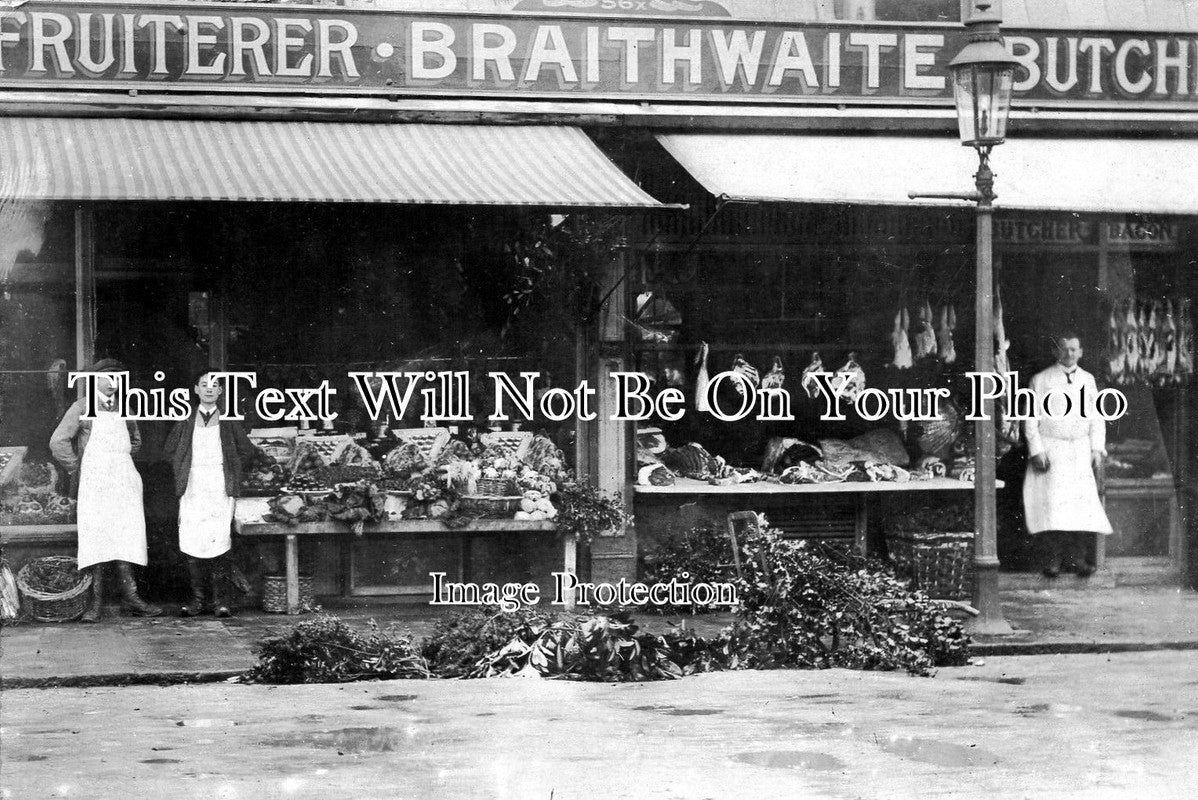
{"x":205,"y":511}
{"x":112,"y":520}
{"x":1066,"y":497}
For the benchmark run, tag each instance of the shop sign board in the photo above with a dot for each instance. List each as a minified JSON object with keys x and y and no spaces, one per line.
{"x":1141,"y":231}
{"x":1075,"y":230}
{"x":296,"y":49}
{"x":1043,"y":230}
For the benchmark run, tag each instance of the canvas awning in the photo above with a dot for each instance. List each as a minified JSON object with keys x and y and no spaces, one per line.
{"x":355,"y":162}
{"x":1149,"y":176}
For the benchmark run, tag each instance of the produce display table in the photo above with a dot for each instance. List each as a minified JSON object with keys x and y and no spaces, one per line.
{"x":776,"y":494}
{"x":291,"y":533}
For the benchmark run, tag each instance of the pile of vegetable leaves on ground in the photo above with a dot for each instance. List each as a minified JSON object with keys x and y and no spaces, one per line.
{"x":327,"y":650}
{"x":801,"y":607}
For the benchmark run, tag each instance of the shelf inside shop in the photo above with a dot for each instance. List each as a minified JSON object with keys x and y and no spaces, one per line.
{"x":754,"y":347}
{"x":692,"y":486}
{"x":414,"y":526}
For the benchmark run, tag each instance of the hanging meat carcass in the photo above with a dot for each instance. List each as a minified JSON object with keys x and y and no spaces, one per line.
{"x":923,"y":341}
{"x":702,"y":380}
{"x":808,"y":381}
{"x":900,"y":341}
{"x":946,"y":326}
{"x":1114,"y":347}
{"x":1185,"y":339}
{"x":775,"y":377}
{"x":747,"y":371}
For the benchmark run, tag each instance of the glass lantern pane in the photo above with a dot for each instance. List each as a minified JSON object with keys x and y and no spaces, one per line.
{"x":963,"y":93}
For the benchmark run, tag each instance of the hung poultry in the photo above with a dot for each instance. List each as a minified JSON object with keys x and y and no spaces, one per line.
{"x":1114,"y":344}
{"x":900,"y":341}
{"x":1185,"y":339}
{"x":776,"y":376}
{"x":945,"y":328}
{"x":1166,"y":343}
{"x":808,"y":381}
{"x":702,"y":380}
{"x":852,"y":378}
{"x":1131,"y":342}
{"x":746,"y":371}
{"x":1008,"y":428}
{"x":923,"y":341}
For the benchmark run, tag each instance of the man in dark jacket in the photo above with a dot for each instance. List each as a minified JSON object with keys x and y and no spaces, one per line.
{"x":209,"y":456}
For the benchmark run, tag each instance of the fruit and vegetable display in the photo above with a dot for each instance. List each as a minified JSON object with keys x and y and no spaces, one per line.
{"x":427,"y":475}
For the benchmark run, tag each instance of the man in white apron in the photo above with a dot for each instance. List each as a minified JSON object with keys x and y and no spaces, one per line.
{"x":1065,"y":447}
{"x":209,"y":455}
{"x":98,"y":456}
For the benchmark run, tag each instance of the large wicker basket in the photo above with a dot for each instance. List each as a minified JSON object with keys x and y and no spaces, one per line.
{"x":46,"y":606}
{"x":940,"y":564}
{"x":274,"y":593}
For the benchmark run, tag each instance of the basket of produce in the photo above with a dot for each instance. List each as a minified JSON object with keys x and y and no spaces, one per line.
{"x":489,"y":505}
{"x":53,"y":589}
{"x":274,"y":593}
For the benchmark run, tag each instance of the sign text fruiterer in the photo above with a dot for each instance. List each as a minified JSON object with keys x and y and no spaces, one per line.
{"x":223,"y":47}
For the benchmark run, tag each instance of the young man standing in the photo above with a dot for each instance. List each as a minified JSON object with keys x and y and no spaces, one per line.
{"x":1060,"y":493}
{"x":209,"y":455}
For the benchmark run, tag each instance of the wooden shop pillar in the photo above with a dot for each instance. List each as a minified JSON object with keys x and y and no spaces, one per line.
{"x":613,"y":556}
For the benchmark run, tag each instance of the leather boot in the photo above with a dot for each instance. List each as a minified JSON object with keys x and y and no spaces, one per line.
{"x":95,"y":605}
{"x":220,"y":587}
{"x":195,"y":573}
{"x":129,"y":597}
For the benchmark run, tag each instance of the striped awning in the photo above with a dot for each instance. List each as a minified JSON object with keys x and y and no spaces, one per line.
{"x":356,"y":162}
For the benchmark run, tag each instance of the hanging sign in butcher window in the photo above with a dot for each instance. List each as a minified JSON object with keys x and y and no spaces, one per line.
{"x":296,"y":49}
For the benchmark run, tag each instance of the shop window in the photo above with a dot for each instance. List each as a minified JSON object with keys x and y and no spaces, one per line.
{"x":37,"y":347}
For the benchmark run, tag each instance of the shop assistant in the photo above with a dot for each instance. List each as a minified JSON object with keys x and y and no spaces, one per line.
{"x":98,"y":457}
{"x":1060,"y":493}
{"x":208,"y":455}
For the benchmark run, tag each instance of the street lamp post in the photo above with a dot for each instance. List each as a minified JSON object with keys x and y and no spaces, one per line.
{"x":983,"y":75}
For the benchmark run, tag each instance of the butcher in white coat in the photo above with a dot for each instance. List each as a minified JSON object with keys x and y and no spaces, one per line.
{"x":1066,"y":443}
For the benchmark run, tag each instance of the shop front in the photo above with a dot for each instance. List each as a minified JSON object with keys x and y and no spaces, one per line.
{"x":323,"y":191}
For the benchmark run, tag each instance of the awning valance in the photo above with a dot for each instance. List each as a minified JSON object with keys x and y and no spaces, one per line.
{"x":143,"y":159}
{"x":1086,"y":175}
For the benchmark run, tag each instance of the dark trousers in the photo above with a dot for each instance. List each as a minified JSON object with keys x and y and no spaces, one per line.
{"x":1068,"y":551}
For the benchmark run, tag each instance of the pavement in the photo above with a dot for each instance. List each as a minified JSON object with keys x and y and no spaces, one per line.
{"x":1058,"y":617}
{"x":1052,"y":726}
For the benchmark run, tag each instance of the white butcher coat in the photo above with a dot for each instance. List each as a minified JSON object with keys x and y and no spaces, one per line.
{"x":1065,"y":498}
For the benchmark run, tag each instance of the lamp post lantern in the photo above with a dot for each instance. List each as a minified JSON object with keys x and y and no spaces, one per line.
{"x":983,"y":75}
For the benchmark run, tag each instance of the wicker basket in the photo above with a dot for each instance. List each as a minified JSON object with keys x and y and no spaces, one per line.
{"x":488,"y":505}
{"x":274,"y":593}
{"x":494,"y":487}
{"x":50,"y":606}
{"x":940,"y":564}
